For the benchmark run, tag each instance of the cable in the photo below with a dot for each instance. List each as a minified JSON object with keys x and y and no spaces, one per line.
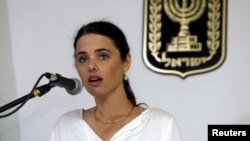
{"x":29,"y":96}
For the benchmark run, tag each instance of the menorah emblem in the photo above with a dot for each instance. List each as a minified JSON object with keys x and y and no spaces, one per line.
{"x":184,"y":14}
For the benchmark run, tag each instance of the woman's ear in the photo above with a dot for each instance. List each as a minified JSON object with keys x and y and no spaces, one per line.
{"x":127,"y":63}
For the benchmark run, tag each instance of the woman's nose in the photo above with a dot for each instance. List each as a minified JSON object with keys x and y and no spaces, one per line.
{"x":93,"y":66}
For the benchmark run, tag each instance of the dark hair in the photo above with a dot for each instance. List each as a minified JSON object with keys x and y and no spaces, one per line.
{"x":117,"y":36}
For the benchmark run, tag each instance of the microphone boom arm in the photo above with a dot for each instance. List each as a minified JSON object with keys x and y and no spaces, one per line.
{"x":39,"y":91}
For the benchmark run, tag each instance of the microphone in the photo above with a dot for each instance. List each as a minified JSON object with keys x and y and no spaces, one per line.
{"x":72,"y":85}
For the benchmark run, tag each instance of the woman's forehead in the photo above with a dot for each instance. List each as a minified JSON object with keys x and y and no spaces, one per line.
{"x":95,"y":43}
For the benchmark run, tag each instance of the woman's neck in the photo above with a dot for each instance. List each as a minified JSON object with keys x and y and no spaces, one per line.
{"x":112,"y":106}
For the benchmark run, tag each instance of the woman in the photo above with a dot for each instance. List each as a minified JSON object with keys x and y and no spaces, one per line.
{"x":102,"y":59}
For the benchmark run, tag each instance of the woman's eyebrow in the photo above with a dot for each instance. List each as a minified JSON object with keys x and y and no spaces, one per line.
{"x":97,"y":50}
{"x":102,"y":49}
{"x":81,"y":53}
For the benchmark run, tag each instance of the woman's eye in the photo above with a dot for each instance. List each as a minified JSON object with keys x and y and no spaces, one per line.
{"x":83,"y":59}
{"x":104,"y":57}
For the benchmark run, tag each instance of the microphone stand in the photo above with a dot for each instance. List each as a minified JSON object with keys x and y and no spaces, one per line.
{"x":39,"y":91}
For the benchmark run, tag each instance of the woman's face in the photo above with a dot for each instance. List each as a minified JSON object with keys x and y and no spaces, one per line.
{"x":99,"y":64}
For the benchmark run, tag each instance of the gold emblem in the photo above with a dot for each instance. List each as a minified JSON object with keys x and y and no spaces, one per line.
{"x":184,"y":37}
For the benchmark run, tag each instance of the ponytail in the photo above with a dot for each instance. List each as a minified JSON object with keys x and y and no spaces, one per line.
{"x":129,"y":92}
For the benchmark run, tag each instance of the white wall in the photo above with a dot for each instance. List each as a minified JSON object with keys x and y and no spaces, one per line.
{"x":9,"y":127}
{"x":41,"y":34}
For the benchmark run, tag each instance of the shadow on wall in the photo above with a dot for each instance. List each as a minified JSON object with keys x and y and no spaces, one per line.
{"x":9,"y":126}
{"x":245,"y":120}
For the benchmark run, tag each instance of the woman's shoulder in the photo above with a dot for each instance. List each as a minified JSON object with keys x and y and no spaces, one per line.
{"x":160,"y":115}
{"x":72,"y":114}
{"x":164,"y":121}
{"x":69,"y":117}
{"x":160,"y":112}
{"x":65,"y":124}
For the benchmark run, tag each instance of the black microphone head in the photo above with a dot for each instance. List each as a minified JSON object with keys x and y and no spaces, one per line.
{"x":72,"y":85}
{"x":77,"y":89}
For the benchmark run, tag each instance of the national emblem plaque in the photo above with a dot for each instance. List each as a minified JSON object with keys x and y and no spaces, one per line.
{"x":184,"y":37}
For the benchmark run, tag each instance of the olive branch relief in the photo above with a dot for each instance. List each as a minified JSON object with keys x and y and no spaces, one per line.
{"x":213,"y":25}
{"x":154,"y":28}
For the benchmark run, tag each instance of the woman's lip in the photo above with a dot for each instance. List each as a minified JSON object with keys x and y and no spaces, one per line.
{"x":94,"y":77}
{"x":95,"y":81}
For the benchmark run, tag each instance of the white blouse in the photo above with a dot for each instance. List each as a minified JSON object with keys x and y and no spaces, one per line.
{"x":151,"y":125}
